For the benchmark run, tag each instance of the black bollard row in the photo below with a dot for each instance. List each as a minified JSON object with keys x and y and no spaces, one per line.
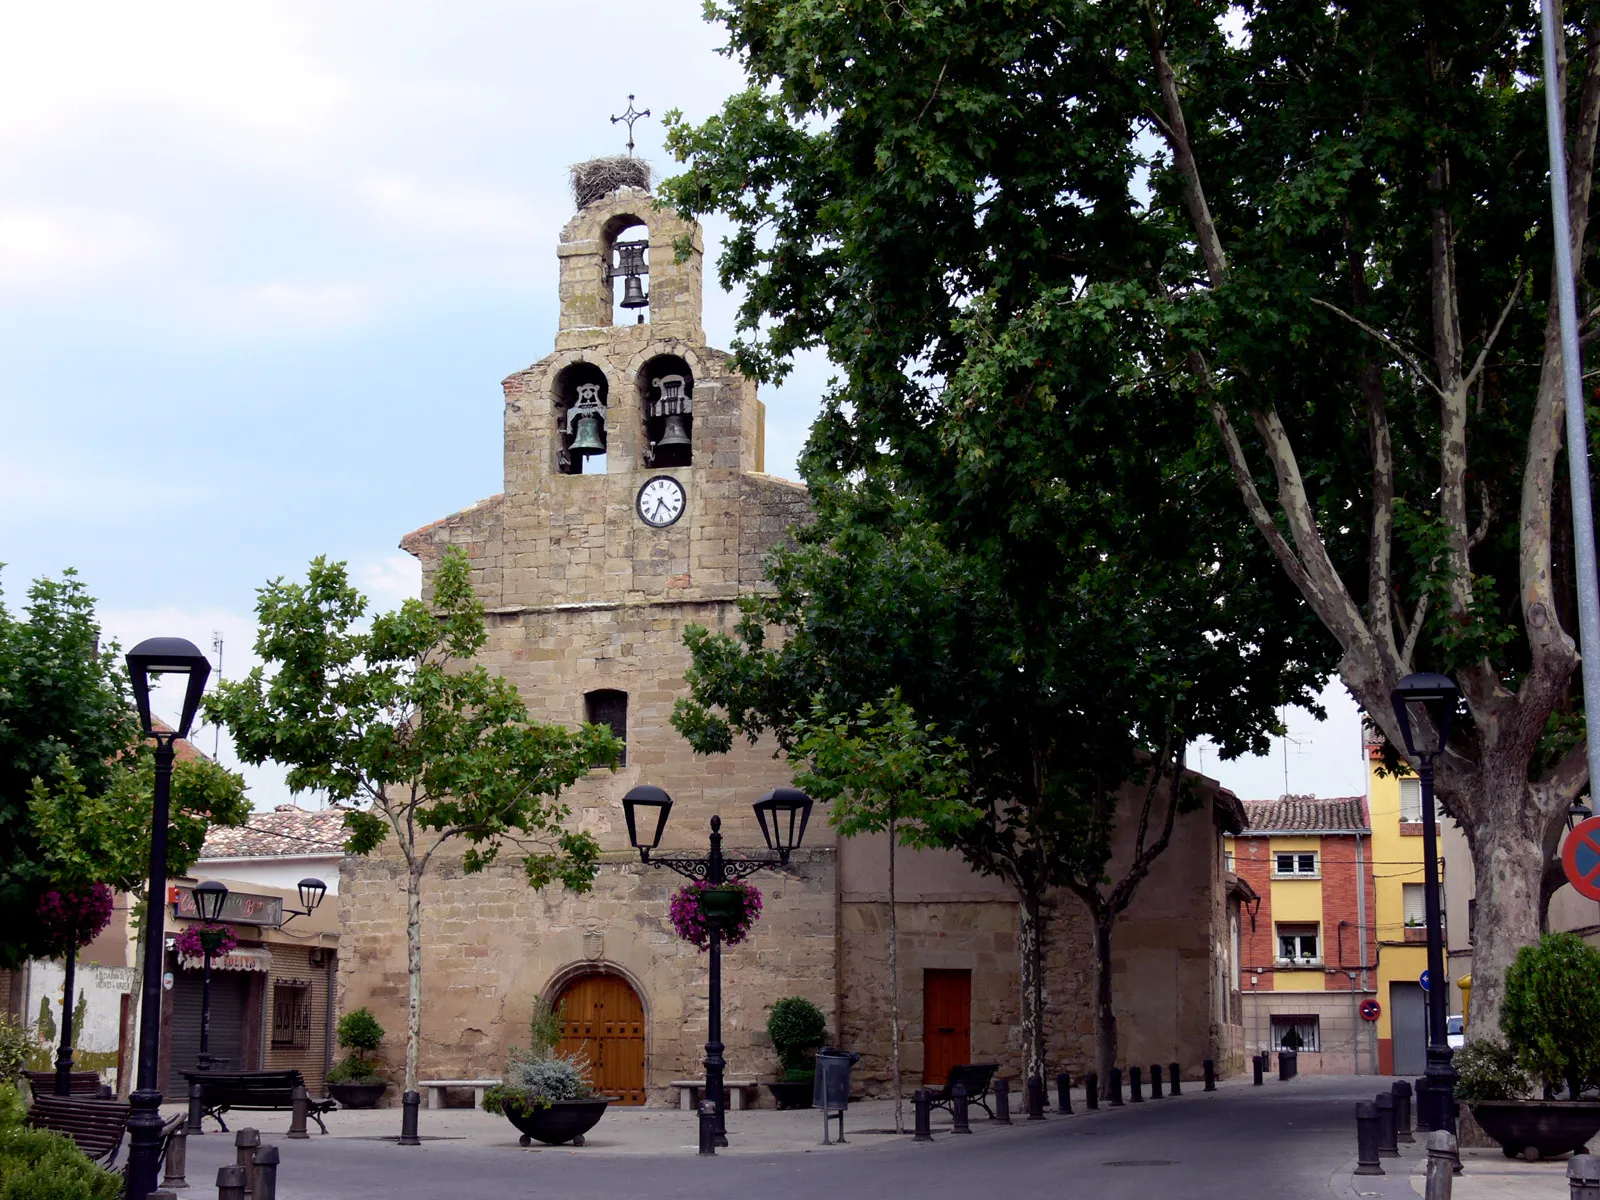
{"x":1177,"y":1086}
{"x":1116,"y":1087}
{"x":1091,"y":1091}
{"x":1210,"y":1069}
{"x":958,"y":1110}
{"x":1155,"y":1082}
{"x":1135,"y":1086}
{"x":922,"y":1103}
{"x":1035,"y":1098}
{"x":1383,"y":1106}
{"x":1064,"y":1093}
{"x":707,"y":1115}
{"x":1002,"y":1101}
{"x":1401,"y":1090}
{"x":1367,"y":1140}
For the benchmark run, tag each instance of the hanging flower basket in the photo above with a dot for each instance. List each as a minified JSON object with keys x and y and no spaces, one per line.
{"x":733,"y":906}
{"x":197,"y":941}
{"x":73,"y":919}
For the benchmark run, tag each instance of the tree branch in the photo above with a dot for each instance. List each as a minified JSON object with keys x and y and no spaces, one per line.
{"x":1406,"y":356}
{"x":1488,"y":343}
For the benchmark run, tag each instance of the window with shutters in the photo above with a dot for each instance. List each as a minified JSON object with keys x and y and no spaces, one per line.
{"x":609,"y":707}
{"x":1413,"y":900}
{"x":291,"y":1013}
{"x":1411,"y":801}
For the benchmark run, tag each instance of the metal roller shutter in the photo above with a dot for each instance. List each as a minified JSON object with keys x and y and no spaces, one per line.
{"x":228,"y":990}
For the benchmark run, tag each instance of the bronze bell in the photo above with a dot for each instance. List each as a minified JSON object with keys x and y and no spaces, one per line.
{"x":633,"y":293}
{"x":675,"y":432}
{"x":588,"y":439}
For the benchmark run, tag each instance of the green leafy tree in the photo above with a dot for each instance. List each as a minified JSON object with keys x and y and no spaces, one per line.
{"x":1552,"y":1010}
{"x":426,"y":746}
{"x":1318,"y":232}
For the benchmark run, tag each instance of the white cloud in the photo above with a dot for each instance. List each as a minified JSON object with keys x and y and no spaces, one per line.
{"x":63,"y":246}
{"x":390,"y":580}
{"x":76,"y":489}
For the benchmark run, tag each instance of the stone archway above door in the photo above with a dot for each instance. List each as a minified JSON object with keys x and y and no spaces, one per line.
{"x":604,"y":1021}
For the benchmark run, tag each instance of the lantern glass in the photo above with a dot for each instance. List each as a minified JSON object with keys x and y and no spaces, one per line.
{"x":646,"y":809}
{"x":1578,"y":812}
{"x":209,"y":897}
{"x":783,"y":814}
{"x":1424,"y":704}
{"x":311,"y":893}
{"x":168,"y":656}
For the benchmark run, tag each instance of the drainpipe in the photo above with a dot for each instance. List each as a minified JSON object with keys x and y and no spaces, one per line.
{"x":1361,"y":935}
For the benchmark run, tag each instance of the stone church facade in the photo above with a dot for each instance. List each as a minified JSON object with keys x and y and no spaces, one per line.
{"x":590,"y":568}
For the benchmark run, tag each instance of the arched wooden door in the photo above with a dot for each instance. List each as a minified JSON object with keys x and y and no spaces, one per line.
{"x":605,"y":1023}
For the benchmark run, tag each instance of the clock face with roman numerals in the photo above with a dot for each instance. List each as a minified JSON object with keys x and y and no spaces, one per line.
{"x":661,"y":501}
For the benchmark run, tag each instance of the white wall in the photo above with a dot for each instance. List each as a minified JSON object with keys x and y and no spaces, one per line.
{"x":285,"y":873}
{"x":104,"y":987}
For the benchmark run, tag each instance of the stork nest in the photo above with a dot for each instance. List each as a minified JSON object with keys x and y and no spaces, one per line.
{"x":599,"y":176}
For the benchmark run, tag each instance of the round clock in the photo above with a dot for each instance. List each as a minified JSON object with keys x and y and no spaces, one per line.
{"x":661,"y":501}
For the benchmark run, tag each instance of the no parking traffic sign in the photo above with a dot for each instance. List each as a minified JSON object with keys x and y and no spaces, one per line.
{"x":1580,"y":858}
{"x":1370,"y":1010}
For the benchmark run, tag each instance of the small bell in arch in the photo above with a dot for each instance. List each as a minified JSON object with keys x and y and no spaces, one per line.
{"x":674,"y":433}
{"x":588,"y":438}
{"x":633,"y":293}
{"x":632,"y":267}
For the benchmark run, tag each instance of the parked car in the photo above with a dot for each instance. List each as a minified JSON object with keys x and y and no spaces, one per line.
{"x":1455,"y":1032}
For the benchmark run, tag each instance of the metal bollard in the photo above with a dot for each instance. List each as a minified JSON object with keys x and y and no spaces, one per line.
{"x":1172,"y":1074}
{"x":163,"y":1194}
{"x":1002,"y":1101}
{"x":265,"y":1184}
{"x":409,"y":1103}
{"x":299,"y":1110}
{"x":1091,"y":1091}
{"x":1135,"y":1086}
{"x":922,"y":1101}
{"x":1210,"y":1068}
{"x":1116,"y":1087}
{"x":1442,"y":1164}
{"x":1367,"y":1140}
{"x":1583,"y":1177}
{"x":708,"y":1126}
{"x":1035,"y":1098}
{"x":246,"y":1142}
{"x":1383,"y":1102}
{"x":1064,"y":1093}
{"x":1401,"y":1090}
{"x":230,"y":1182}
{"x":958,"y":1109}
{"x":1259,"y":1066}
{"x":177,"y":1160}
{"x":197,"y":1108}
{"x":1425,"y":1121}
{"x":1155,"y":1082}
{"x":1285,"y":1066}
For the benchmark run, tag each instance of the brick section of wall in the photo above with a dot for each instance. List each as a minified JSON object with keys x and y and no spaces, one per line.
{"x":1258,"y":948}
{"x":290,"y":965}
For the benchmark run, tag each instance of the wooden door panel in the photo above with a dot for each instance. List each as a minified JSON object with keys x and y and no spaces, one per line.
{"x":604,"y":1022}
{"x":946,"y":1023}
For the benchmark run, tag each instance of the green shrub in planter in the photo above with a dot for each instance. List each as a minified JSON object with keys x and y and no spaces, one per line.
{"x":36,"y":1164}
{"x":1552,"y":1011}
{"x":796,"y":1027}
{"x":536,"y":1080}
{"x":1488,"y":1070}
{"x":360,"y":1033}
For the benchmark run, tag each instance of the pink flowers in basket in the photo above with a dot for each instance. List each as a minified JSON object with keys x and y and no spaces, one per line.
{"x":73,"y":919}
{"x":689,"y":918}
{"x":198,"y":940}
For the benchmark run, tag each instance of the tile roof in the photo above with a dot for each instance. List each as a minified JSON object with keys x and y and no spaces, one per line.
{"x":1288,"y":813}
{"x":287,"y":830}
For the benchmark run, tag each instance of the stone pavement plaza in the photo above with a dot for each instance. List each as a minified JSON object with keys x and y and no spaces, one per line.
{"x":1283,"y":1141}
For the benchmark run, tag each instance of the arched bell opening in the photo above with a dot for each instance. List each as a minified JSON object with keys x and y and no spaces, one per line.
{"x":666,"y":393}
{"x":627,"y":242}
{"x":580,"y":406}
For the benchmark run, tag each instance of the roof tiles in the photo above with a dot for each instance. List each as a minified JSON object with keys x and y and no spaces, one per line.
{"x":1306,"y":813}
{"x":287,"y":830}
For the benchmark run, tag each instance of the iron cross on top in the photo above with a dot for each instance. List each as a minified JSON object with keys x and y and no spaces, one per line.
{"x":630,"y":117}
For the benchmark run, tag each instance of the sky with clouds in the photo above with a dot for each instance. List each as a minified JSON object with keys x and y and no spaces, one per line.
{"x":263,"y":266}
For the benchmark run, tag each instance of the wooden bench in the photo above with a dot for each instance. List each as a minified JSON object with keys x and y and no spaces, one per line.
{"x":689,"y":1089}
{"x":975,"y":1078}
{"x":252,"y":1091}
{"x":433,"y":1089}
{"x":81,"y":1083}
{"x":96,"y":1126}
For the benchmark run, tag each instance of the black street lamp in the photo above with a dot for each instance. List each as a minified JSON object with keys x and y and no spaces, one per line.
{"x":156,"y":656}
{"x":1424,"y":704}
{"x":311,"y":893}
{"x":209,"y":897}
{"x":782,"y":814}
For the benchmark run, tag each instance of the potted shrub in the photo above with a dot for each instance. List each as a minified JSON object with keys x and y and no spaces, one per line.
{"x":354,"y":1080}
{"x":1550,"y":1013}
{"x":548,"y":1097}
{"x":796,"y":1027}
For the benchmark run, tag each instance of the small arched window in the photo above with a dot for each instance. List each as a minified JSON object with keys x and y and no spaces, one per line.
{"x":666,"y":389}
{"x":580,"y":405}
{"x":609,"y":707}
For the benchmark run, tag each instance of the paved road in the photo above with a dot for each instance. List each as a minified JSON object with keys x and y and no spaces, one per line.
{"x":1278,"y":1142}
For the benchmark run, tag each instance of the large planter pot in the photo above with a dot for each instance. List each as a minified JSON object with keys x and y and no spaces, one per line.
{"x":792,"y":1095}
{"x":563,"y":1121}
{"x":722,"y":904}
{"x":1544,"y":1127}
{"x":358,"y":1094}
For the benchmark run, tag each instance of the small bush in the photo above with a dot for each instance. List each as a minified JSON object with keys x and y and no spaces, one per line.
{"x":535,"y":1081}
{"x":1488,"y":1070}
{"x":547,"y":1025}
{"x":359,"y":1030}
{"x":36,"y":1164}
{"x":1552,"y":1009}
{"x":16,"y":1048}
{"x":353,"y":1068}
{"x":796,"y":1027}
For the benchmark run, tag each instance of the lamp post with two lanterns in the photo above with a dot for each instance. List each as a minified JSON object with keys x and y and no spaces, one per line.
{"x":782,"y":813}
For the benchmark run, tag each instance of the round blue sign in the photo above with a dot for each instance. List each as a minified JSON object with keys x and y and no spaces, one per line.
{"x":1423,"y":980}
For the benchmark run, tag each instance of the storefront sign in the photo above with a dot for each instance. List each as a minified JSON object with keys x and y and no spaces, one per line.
{"x":240,"y":908}
{"x":235,"y":960}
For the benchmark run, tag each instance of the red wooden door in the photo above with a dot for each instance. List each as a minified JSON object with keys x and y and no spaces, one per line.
{"x":946,"y":1023}
{"x":605,"y":1024}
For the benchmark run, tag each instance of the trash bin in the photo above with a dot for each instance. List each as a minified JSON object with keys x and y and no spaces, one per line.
{"x":831,"y":1089}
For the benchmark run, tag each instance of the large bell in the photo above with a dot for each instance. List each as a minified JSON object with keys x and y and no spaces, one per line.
{"x":674,"y":433}
{"x":633,"y":293}
{"x":588,"y":437}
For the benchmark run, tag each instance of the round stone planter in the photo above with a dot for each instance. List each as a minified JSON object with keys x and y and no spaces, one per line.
{"x":563,"y":1121}
{"x":792,"y":1095}
{"x":358,"y":1093}
{"x":1538,"y":1128}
